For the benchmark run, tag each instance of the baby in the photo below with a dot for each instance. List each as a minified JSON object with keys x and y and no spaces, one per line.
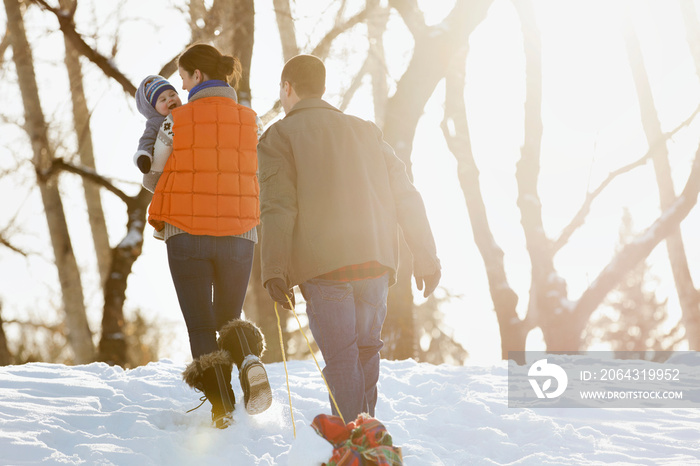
{"x":155,"y":98}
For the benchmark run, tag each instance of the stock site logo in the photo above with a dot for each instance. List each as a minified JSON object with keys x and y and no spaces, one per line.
{"x":541,"y":370}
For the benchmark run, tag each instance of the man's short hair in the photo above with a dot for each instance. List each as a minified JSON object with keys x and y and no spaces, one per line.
{"x":306,"y":74}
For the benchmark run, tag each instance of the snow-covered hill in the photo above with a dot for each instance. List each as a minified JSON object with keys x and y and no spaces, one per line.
{"x":97,"y":414}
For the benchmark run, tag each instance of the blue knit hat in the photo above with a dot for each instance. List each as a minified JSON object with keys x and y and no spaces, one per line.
{"x":155,"y":87}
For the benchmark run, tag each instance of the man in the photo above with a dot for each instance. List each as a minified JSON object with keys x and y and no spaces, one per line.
{"x":333,"y":195}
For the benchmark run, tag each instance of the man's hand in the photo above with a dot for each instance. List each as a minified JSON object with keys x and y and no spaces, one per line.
{"x":430,"y":282}
{"x":279,"y":292}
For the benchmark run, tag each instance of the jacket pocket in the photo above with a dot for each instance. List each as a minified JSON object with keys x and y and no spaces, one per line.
{"x":268,"y":172}
{"x":331,"y":290}
{"x":266,"y":179}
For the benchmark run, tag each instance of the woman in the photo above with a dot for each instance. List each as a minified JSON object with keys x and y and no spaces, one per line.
{"x":206,"y":204}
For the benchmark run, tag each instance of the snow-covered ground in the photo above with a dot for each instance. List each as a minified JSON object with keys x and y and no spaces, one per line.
{"x":97,"y":414}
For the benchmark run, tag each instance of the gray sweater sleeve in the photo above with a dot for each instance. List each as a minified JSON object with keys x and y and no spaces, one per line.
{"x":148,"y":138}
{"x":162,"y":148}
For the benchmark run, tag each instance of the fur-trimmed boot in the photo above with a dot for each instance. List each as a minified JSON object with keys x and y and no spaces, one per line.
{"x":245,"y":343}
{"x":211,"y":375}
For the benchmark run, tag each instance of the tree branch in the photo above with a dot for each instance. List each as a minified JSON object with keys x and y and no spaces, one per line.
{"x":67,"y":25}
{"x":60,"y":164}
{"x":455,"y":128}
{"x":641,"y":246}
{"x":321,"y":50}
{"x":412,"y":16}
{"x":212,"y":20}
{"x":578,"y":220}
{"x":585,"y":209}
{"x":354,"y":85}
{"x":4,"y":44}
{"x":12,"y":247}
{"x":271,"y":114}
{"x":57,"y":328}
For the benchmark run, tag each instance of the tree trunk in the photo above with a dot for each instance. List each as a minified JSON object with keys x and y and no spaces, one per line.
{"x":259,"y":308}
{"x":113,"y":347}
{"x":433,"y":52}
{"x":243,"y":25}
{"x":692,"y":31}
{"x":376,"y":62}
{"x":79,"y":335}
{"x":456,"y":130}
{"x":285,"y":24}
{"x":687,"y":295}
{"x":81,"y":122}
{"x":5,"y":355}
{"x":548,"y":294}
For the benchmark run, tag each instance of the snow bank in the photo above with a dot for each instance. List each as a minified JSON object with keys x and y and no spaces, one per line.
{"x":439,"y":415}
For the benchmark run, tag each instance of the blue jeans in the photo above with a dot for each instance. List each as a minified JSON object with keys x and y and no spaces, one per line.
{"x":210,"y":274}
{"x":346,"y":321}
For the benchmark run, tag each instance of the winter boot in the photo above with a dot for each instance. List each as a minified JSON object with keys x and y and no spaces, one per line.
{"x":211,"y":374}
{"x":245,"y":343}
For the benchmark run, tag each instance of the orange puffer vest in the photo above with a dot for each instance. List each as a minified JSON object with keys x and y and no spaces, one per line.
{"x":209,"y":184}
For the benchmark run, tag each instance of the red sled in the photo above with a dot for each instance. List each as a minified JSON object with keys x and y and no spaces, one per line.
{"x":363,"y":442}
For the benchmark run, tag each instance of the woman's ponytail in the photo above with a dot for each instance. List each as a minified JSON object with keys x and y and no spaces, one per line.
{"x":211,"y":62}
{"x":231,"y":68}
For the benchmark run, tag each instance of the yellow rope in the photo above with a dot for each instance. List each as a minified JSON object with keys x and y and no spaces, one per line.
{"x":284,"y":359}
{"x":330,"y":392}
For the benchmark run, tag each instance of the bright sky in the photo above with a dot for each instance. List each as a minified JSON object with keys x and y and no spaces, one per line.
{"x":591,"y":127}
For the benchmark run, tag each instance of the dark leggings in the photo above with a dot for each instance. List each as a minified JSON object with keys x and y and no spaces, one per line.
{"x":210,"y":274}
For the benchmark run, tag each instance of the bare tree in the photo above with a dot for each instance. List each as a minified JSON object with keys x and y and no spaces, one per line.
{"x":81,"y":123}
{"x":66,"y":22}
{"x":404,"y":109}
{"x":374,"y":65}
{"x":456,"y":131}
{"x":561,"y":320}
{"x":634,"y":314}
{"x":242,"y":22}
{"x":5,"y":355}
{"x":548,"y":290}
{"x":376,"y":60}
{"x":4,"y":44}
{"x":79,"y":334}
{"x":285,"y":24}
{"x":688,"y":296}
{"x":112,"y":347}
{"x":659,"y":156}
{"x":439,"y":346}
{"x":692,"y":31}
{"x":636,"y":250}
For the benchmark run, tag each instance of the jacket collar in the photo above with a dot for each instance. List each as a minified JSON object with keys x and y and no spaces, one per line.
{"x":214,"y":91}
{"x":311,"y":102}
